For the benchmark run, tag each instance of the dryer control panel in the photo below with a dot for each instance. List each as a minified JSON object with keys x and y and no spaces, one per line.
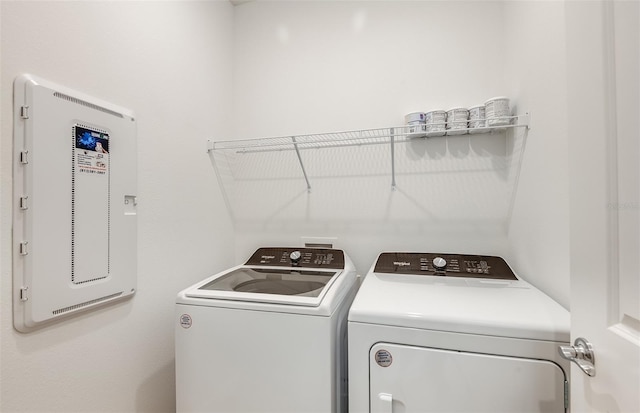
{"x":298,"y":257}
{"x":448,"y":265}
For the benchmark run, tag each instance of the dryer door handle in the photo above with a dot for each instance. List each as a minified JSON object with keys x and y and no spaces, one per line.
{"x":386,"y":402}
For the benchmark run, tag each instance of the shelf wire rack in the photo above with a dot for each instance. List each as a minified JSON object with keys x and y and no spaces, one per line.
{"x":397,"y":134}
{"x":381,"y":136}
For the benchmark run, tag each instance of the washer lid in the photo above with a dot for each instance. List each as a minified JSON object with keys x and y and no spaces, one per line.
{"x":504,"y":308}
{"x":268,"y":284}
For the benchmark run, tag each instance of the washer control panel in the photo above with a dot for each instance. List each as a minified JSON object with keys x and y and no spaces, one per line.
{"x":448,"y":265}
{"x":298,"y":257}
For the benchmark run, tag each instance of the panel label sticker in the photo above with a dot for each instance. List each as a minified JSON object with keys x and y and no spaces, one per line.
{"x":185,"y":321}
{"x":90,"y":204}
{"x":91,"y":150}
{"x":383,"y":358}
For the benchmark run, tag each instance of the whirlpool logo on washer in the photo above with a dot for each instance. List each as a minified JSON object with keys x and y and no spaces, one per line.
{"x":185,"y":321}
{"x":401,"y":263}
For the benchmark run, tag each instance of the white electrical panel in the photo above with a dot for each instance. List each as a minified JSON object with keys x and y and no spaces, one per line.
{"x":75,"y":188}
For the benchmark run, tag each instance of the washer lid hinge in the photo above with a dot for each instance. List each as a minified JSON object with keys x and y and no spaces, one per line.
{"x":23,"y":293}
{"x":24,"y":112}
{"x":24,"y":157}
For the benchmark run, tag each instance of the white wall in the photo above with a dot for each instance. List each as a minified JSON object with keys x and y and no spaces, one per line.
{"x":536,"y":77}
{"x":170,"y":62}
{"x":317,"y":66}
{"x":305,"y":67}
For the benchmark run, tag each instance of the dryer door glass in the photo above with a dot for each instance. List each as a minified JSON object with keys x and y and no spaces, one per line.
{"x":266,"y":281}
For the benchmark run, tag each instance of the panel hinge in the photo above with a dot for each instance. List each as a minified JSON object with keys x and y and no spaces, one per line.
{"x":23,"y":294}
{"x":24,"y":157}
{"x":23,"y":248}
{"x":24,"y":112}
{"x":23,"y":202}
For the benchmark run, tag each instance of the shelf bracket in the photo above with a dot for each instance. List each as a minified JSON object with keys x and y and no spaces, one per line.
{"x":304,"y":172}
{"x":393,"y":159}
{"x":525,"y":120}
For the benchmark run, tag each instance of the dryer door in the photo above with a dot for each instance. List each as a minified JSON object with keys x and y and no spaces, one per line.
{"x":420,"y":379}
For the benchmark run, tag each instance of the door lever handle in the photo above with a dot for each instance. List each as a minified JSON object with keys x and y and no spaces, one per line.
{"x":582,"y":354}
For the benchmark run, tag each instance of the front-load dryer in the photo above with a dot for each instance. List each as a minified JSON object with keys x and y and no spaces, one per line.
{"x":454,"y":333}
{"x":266,"y":336}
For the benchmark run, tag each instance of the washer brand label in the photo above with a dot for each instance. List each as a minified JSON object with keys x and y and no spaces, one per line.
{"x":383,"y":358}
{"x":401,"y":263}
{"x":185,"y":321}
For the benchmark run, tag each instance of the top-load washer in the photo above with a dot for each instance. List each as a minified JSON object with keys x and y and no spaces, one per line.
{"x":454,"y":333}
{"x":266,"y":336}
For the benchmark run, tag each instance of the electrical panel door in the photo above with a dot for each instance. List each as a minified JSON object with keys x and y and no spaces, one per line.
{"x":75,"y":198}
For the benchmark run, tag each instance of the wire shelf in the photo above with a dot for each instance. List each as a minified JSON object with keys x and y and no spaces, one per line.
{"x":397,"y":134}
{"x":225,"y":151}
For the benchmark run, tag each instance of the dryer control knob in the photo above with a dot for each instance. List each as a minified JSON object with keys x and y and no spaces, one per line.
{"x":439,"y":263}
{"x":295,"y":257}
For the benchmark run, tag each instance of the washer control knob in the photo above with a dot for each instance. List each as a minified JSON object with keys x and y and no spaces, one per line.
{"x":439,"y":263}
{"x":295,"y":257}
